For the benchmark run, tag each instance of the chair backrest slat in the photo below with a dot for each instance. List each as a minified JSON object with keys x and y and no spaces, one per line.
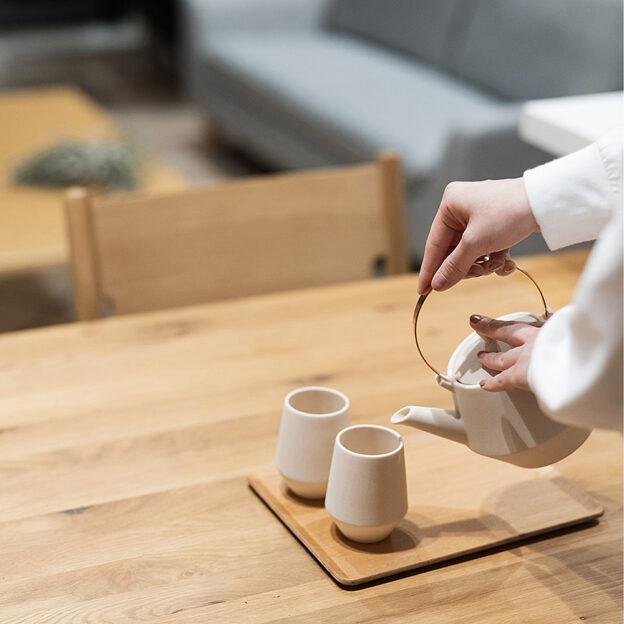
{"x":236,"y":238}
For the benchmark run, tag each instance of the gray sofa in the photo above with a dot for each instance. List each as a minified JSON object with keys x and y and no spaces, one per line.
{"x":307,"y":83}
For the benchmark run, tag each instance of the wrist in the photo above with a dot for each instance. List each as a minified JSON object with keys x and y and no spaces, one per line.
{"x":524,"y":212}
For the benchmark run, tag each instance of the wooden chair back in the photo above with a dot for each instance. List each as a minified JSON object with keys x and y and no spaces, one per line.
{"x":134,"y":252}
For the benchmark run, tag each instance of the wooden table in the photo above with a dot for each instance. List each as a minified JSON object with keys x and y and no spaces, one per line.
{"x":566,"y":124}
{"x":32,"y":235}
{"x":125,"y":444}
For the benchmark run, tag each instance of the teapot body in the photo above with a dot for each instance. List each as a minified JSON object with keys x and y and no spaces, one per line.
{"x":508,"y":425}
{"x":511,"y":427}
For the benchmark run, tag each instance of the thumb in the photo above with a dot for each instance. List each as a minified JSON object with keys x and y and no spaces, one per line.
{"x":454,"y":268}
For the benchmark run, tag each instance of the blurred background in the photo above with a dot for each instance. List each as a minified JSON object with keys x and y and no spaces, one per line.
{"x":209,"y":90}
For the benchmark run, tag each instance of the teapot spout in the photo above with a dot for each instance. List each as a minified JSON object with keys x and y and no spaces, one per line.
{"x":441,"y":422}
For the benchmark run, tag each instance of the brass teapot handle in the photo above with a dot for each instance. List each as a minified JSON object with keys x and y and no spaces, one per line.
{"x":421,"y":301}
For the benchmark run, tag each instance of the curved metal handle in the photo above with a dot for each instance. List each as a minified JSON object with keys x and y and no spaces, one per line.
{"x":421,"y":301}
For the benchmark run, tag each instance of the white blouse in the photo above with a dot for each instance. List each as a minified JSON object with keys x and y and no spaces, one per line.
{"x":576,"y":362}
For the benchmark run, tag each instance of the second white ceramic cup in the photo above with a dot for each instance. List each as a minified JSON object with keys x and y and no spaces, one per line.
{"x":311,"y":419}
{"x":367,"y":489}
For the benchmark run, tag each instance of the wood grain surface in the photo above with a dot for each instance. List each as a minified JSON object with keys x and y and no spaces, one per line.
{"x":33,"y":225}
{"x":125,"y":443}
{"x":459,"y":503}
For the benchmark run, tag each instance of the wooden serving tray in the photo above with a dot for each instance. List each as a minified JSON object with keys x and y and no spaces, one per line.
{"x":459,"y":503}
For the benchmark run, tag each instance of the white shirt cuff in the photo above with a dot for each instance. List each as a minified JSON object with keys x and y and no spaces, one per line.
{"x":570,"y":197}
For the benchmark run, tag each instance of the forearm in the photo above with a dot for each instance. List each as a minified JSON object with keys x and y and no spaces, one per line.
{"x":576,"y":362}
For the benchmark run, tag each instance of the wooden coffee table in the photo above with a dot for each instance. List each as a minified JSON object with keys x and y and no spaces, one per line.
{"x":32,"y":231}
{"x":125,"y":444}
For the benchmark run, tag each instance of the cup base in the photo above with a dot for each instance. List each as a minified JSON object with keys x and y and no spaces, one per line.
{"x":365,"y":534}
{"x":306,"y":490}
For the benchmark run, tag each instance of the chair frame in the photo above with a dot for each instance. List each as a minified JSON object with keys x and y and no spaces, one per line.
{"x":80,"y":205}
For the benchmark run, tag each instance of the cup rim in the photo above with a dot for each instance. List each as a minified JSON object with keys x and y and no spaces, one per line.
{"x":365,"y":426}
{"x":333,"y":391}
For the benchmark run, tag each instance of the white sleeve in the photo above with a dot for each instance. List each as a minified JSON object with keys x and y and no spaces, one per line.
{"x":573,"y":197}
{"x":576,"y":363}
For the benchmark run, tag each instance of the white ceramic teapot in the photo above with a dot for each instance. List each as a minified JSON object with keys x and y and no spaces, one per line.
{"x":508,"y":426}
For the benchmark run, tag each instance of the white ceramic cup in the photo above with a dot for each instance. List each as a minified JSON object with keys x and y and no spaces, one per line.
{"x":311,"y":419}
{"x":367,"y":489}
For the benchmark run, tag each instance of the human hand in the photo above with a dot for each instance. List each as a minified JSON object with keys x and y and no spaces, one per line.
{"x":514,"y":363}
{"x":475,"y":219}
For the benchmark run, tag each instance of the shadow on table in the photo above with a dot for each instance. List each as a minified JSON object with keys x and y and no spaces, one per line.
{"x":526,"y":542}
{"x":401,"y":539}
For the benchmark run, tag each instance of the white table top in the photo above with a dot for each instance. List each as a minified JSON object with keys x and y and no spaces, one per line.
{"x":563,"y":125}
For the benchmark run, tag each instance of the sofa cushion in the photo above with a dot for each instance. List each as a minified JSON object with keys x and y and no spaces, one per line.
{"x":524,"y":49}
{"x":422,"y":28}
{"x":348,"y":93}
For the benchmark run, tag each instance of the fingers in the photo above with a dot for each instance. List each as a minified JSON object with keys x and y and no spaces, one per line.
{"x":495,"y":260}
{"x":505,"y":362}
{"x":507,"y":269}
{"x":477,"y":270}
{"x":511,"y":332}
{"x":502,"y":381}
{"x":455,"y":267}
{"x":512,"y":377}
{"x":514,"y":363}
{"x":498,"y":361}
{"x":499,"y":262}
{"x":441,"y":240}
{"x":460,"y":263}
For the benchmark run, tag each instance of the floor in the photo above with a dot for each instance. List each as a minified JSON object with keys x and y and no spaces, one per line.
{"x":137,"y":84}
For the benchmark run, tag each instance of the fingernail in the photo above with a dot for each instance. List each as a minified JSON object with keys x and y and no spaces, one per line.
{"x":509,"y":269}
{"x":475,"y":318}
{"x":481,"y":353}
{"x":482,"y":383}
{"x":439,"y":282}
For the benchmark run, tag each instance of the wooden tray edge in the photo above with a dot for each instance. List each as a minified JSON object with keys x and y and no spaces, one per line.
{"x":259,"y":489}
{"x":255,"y":483}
